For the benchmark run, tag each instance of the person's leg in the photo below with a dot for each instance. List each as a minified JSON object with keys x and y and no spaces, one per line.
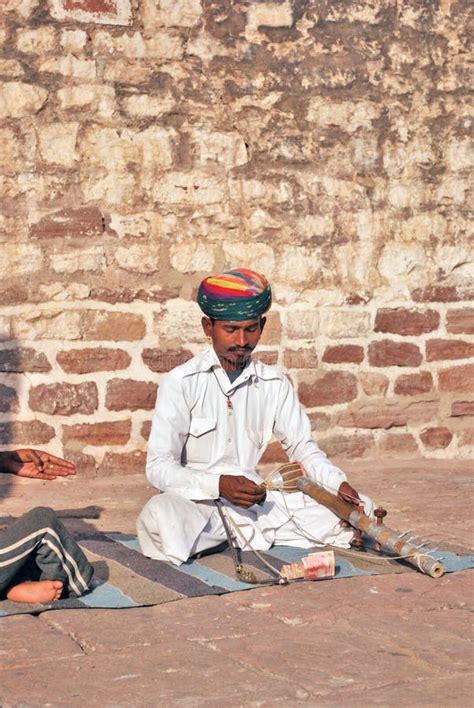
{"x":40,"y":536}
{"x":171,"y":527}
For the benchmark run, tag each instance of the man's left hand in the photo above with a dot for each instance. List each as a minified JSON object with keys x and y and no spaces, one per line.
{"x":37,"y":464}
{"x":349,"y":494}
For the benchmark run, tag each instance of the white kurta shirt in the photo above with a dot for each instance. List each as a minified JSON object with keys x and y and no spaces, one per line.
{"x":196,"y":436}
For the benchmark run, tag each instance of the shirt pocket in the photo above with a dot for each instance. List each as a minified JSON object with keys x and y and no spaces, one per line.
{"x":201,"y":440}
{"x":259,"y":437}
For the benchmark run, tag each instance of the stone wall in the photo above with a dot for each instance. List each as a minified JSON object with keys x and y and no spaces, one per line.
{"x":323,"y":142}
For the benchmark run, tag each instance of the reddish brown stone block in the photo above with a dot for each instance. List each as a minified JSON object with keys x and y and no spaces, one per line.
{"x":127,"y":394}
{"x":274,"y":454}
{"x":269,"y":358}
{"x":406,"y":322}
{"x":163,"y":360}
{"x":457,"y":378}
{"x":85,"y":222}
{"x":114,"y":326}
{"x":302,"y":358}
{"x":399,"y":443}
{"x":272,"y":332}
{"x":414,"y":384}
{"x":436,"y":437}
{"x":331,"y":387}
{"x":462,"y":408}
{"x":31,"y":432}
{"x":145,"y":430}
{"x":388,"y":415}
{"x":8,"y":399}
{"x":389,"y":353}
{"x":123,"y":463}
{"x":437,"y":349}
{"x":347,"y":446}
{"x":86,"y":361}
{"x":344,"y":354}
{"x":64,"y":398}
{"x":466,"y":437}
{"x":23,"y":359}
{"x":86,"y":465}
{"x":460,"y":321}
{"x":442,"y":293}
{"x":373,"y":384}
{"x":13,"y":296}
{"x":110,"y":433}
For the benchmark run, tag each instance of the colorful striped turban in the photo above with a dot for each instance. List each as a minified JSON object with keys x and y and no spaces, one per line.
{"x":237,"y":295}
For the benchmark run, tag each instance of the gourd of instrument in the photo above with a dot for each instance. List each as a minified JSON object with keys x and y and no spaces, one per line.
{"x":284,"y":478}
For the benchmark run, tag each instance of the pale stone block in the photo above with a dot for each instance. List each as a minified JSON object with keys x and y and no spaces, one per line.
{"x":18,"y":99}
{"x":47,"y":324}
{"x":11,"y":68}
{"x":192,"y":256}
{"x":5,"y":329}
{"x":226,"y":148}
{"x":145,"y":106}
{"x":58,"y":292}
{"x":315,"y":225}
{"x":261,"y":219}
{"x":450,"y":258}
{"x":194,"y":189}
{"x":113,"y":151}
{"x":139,"y":258}
{"x":407,"y":158}
{"x":164,"y":46}
{"x":120,"y":13}
{"x":136,"y":225}
{"x":20,"y":259}
{"x":3,"y":37}
{"x":339,"y":324}
{"x":23,"y":8}
{"x":57,"y":143}
{"x":171,"y":13}
{"x":269,"y":14}
{"x":36,"y":41}
{"x":400,"y":259}
{"x":237,"y":255}
{"x":460,"y":155}
{"x":409,"y":194}
{"x":127,"y":71}
{"x":180,"y":321}
{"x":348,"y":115}
{"x":69,"y":65}
{"x":296,"y":266}
{"x":452,"y":189}
{"x":73,"y":40}
{"x":100,"y":98}
{"x":90,"y":259}
{"x":131,"y":46}
{"x":302,"y":323}
{"x":422,"y":227}
{"x":9,"y":149}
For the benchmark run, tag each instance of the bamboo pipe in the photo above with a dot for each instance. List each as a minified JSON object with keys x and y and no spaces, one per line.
{"x":389,"y":539}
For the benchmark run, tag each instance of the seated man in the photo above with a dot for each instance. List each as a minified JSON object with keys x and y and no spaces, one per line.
{"x":39,"y":559}
{"x":213,"y":419}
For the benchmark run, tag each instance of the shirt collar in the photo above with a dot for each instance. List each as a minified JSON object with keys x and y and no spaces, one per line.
{"x":209,"y":360}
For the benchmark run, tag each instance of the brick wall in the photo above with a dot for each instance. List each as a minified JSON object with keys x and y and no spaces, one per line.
{"x":145,"y":144}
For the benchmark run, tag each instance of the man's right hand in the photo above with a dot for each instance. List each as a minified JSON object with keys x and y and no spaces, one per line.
{"x":240,"y":490}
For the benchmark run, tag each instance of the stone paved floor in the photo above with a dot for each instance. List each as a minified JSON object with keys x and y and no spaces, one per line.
{"x":394,"y":640}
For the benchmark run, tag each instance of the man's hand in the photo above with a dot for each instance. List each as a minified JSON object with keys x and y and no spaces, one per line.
{"x":36,"y":464}
{"x":349,"y":494}
{"x":240,"y":490}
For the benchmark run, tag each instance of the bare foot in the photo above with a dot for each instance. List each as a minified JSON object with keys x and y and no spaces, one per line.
{"x":40,"y":591}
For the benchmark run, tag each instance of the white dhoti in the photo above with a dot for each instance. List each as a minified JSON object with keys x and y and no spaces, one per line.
{"x":171,"y":527}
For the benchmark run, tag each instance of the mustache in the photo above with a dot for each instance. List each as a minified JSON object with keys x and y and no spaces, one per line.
{"x":240,"y":349}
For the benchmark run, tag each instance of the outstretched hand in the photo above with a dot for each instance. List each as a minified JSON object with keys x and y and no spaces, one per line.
{"x":240,"y":490}
{"x":36,"y":464}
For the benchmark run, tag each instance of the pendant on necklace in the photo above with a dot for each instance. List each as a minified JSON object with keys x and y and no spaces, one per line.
{"x":229,"y":404}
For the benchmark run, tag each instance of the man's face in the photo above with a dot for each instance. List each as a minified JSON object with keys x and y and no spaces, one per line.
{"x":234,"y":342}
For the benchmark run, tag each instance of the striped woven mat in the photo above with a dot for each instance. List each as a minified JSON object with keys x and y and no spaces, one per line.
{"x":126,"y":578}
